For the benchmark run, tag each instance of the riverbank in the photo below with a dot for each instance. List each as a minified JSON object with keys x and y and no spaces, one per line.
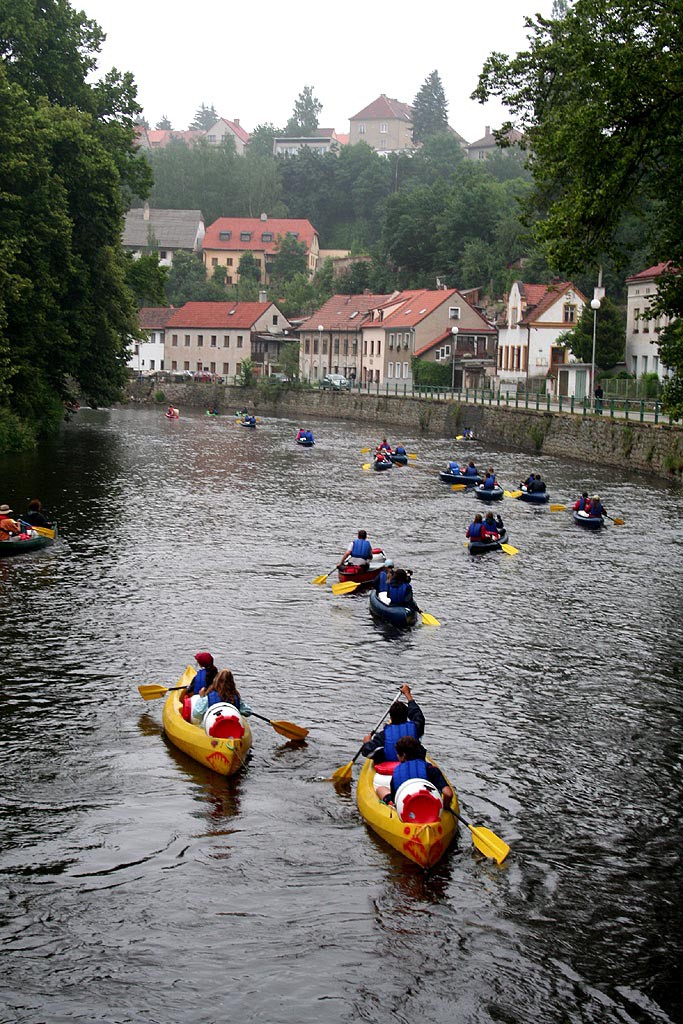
{"x":602,"y":440}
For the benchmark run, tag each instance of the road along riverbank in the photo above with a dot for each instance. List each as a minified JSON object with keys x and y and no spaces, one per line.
{"x":649,"y":447}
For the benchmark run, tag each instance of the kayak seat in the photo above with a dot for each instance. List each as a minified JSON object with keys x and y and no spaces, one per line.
{"x":386,"y":767}
{"x":377,"y":551}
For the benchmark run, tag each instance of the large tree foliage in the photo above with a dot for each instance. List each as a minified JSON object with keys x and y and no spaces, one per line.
{"x":187,"y":282}
{"x":599,"y":98}
{"x":304,"y":119}
{"x":610,"y":336}
{"x":204,"y":118}
{"x":430,"y":109}
{"x":69,"y":163}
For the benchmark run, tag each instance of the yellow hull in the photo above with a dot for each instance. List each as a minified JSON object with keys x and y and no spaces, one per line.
{"x":423,"y":844}
{"x":225,"y":756}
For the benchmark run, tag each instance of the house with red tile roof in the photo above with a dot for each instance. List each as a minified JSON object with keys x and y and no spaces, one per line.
{"x":159,"y":138}
{"x":228,"y":238}
{"x":386,"y":125}
{"x":218,"y":336}
{"x":642,"y":350}
{"x":331,"y":339}
{"x":224,"y":129}
{"x":146,"y":355}
{"x":483,"y":148}
{"x":469,"y":345}
{"x":528,"y":356}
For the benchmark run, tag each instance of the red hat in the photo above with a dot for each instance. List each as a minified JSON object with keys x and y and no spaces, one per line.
{"x":204,"y":659}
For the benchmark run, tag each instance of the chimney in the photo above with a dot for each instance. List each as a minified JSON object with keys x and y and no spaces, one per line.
{"x":236,"y":121}
{"x":263,"y":296}
{"x":264,"y":216}
{"x":145,"y":211}
{"x":487,"y":129}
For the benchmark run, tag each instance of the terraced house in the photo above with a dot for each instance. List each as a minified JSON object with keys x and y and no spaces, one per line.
{"x":229,"y":238}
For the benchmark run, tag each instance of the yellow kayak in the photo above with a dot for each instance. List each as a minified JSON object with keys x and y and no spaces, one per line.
{"x":425,"y":844}
{"x":225,"y":756}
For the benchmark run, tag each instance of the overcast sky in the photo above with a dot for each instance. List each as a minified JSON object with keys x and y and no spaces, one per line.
{"x":252,"y":59}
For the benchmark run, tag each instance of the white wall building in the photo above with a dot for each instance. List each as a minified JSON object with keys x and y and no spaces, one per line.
{"x":642,"y":350}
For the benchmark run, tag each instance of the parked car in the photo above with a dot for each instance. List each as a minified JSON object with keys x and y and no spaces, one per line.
{"x":281,"y":378}
{"x":335,"y":382}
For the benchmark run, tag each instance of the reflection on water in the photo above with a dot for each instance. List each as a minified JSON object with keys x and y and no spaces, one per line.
{"x":551,"y":692}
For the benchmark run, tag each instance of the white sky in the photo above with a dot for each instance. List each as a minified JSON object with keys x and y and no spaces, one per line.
{"x":252,"y":59}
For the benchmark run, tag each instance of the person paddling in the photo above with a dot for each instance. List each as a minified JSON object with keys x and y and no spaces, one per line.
{"x":412,"y":764}
{"x":8,"y":526}
{"x":359,"y":552}
{"x":404,"y":720}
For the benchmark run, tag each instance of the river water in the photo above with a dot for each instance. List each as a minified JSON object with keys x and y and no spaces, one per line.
{"x":137,"y":886}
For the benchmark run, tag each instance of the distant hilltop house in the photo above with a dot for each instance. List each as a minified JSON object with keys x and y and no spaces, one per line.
{"x":386,"y":125}
{"x":484,"y":147}
{"x":642,"y":350}
{"x":159,"y":138}
{"x":229,"y":238}
{"x":528,"y":353}
{"x":163,"y":231}
{"x":324,"y":140}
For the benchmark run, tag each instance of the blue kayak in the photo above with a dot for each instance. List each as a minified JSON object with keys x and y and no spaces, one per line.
{"x":489,"y":493}
{"x":396,"y":614}
{"x":588,"y":522}
{"x":535,"y":497}
{"x":460,"y":478}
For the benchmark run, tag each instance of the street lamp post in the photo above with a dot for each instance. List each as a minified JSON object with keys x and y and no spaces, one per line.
{"x":320,"y":341}
{"x":454,"y":335}
{"x":595,"y":306}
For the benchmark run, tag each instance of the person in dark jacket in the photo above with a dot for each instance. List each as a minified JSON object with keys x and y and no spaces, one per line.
{"x":581,"y":504}
{"x":471,"y":470}
{"x":490,"y":482}
{"x":490,"y":529}
{"x":404,"y":720}
{"x":400,"y":591}
{"x":35,"y":516}
{"x":413,"y":765}
{"x":537,"y":485}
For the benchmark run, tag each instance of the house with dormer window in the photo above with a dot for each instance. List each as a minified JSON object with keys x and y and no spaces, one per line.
{"x":228,"y":238}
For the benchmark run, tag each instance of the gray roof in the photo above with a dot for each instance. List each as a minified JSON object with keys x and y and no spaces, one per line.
{"x":172,"y":229}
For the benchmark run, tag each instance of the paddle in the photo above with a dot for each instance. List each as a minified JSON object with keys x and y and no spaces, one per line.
{"x":459,"y":437}
{"x":151,"y":691}
{"x":459,"y":487}
{"x":617,"y":522}
{"x":366,"y":465}
{"x":485,"y":840}
{"x":509,"y":549}
{"x":429,"y":620}
{"x":347,"y":587}
{"x":323,"y":579}
{"x":512,"y":494}
{"x":344,"y":774}
{"x":42,"y":530}
{"x":558,"y":508}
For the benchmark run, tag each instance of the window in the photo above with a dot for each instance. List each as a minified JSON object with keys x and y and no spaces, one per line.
{"x":307,"y":345}
{"x":335,"y":344}
{"x":240,"y":339}
{"x":569,"y":314}
{"x":199,"y":366}
{"x":398,"y":371}
{"x":383,"y":128}
{"x":361,"y":129}
{"x":372,"y":346}
{"x":267,"y":236}
{"x":324,"y":346}
{"x":636,"y":319}
{"x":228,"y":279}
{"x":446,"y":350}
{"x":655,"y":364}
{"x":226,"y":368}
{"x":379,"y":347}
{"x":376,"y":376}
{"x":275,"y":319}
{"x":226,"y":341}
{"x":635,"y":365}
{"x":405,"y":370}
{"x":406,"y":341}
{"x":213,"y":341}
{"x":399,"y":339}
{"x":224,"y":236}
{"x":644,"y":361}
{"x":151,"y":364}
{"x":315,"y":346}
{"x":238,"y":368}
{"x":187,"y":342}
{"x":391,"y":341}
{"x":200,"y":340}
{"x":454,"y":312}
{"x":214,"y":261}
{"x":355,"y":346}
{"x":210,"y":138}
{"x":245,"y":236}
{"x":186,"y":365}
{"x":646,"y":326}
{"x":213,"y":367}
{"x":228,"y":262}
{"x":365,"y":346}
{"x":293,"y":234}
{"x":390,"y":370}
{"x":174,"y":340}
{"x":174,"y":364}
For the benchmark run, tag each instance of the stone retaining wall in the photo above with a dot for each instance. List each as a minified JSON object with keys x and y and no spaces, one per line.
{"x":597,"y":439}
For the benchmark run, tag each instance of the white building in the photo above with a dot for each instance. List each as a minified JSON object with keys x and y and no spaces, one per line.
{"x":642,"y":350}
{"x":147,"y":356}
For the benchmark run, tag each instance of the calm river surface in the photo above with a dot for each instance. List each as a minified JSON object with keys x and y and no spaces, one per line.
{"x":137,"y":886}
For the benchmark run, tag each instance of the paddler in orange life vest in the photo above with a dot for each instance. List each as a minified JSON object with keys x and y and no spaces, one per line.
{"x":404,"y":720}
{"x":8,"y":526}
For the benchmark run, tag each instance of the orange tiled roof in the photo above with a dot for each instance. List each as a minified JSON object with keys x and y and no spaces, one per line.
{"x":154,"y":318}
{"x":384,"y":108}
{"x":343,"y":312}
{"x":417,"y":305}
{"x":651,"y":272}
{"x":221,"y":315}
{"x":255,"y":227}
{"x":545,"y":296}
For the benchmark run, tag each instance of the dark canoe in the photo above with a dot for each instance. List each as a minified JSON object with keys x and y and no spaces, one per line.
{"x":399,"y":460}
{"x":489,"y":494}
{"x":588,"y":522}
{"x":251,"y":426}
{"x":396,"y":614}
{"x":380,"y":465}
{"x":305,"y":442}
{"x":480,"y":547}
{"x":19,"y":547}
{"x":460,"y":478}
{"x":353,"y":573}
{"x":535,"y":497}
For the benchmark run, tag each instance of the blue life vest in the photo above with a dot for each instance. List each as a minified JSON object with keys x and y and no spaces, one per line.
{"x":199,"y":681}
{"x":213,"y":698}
{"x":454,"y":467}
{"x":406,"y":770}
{"x":397,"y":592}
{"x":489,"y":483}
{"x":361,"y":549}
{"x":394,"y":732}
{"x":471,"y":471}
{"x":596,"y":511}
{"x":400,"y":450}
{"x":309,"y":436}
{"x":490,"y":526}
{"x":475,"y":530}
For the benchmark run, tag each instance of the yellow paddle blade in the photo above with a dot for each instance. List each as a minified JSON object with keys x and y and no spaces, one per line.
{"x":320,"y":579}
{"x":512,"y":494}
{"x":151,"y":691}
{"x":366,"y":465}
{"x":617,"y":522}
{"x":458,"y":487}
{"x":558,"y":508}
{"x":412,"y":455}
{"x":347,"y":587}
{"x":290,"y":730}
{"x":489,"y":843}
{"x":45,"y":532}
{"x":509,"y":549}
{"x":459,"y":437}
{"x":343,"y":774}
{"x":429,"y":620}
{"x":365,"y":451}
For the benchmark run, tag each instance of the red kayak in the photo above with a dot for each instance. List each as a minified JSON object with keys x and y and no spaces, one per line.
{"x":355,"y":573}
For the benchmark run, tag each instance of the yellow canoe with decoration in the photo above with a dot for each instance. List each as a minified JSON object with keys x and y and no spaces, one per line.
{"x":225,"y":756}
{"x":425,"y":844}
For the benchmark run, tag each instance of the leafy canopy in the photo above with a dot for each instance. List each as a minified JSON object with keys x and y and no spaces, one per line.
{"x":304,"y":119}
{"x":610,"y":335}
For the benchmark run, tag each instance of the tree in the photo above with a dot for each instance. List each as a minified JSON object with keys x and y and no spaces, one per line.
{"x":304,"y":119}
{"x":598,"y":98}
{"x":187,"y":282}
{"x":249,"y":268}
{"x":430,"y":109}
{"x":261,"y":139}
{"x":164,"y":124}
{"x":610,"y":336}
{"x":289,"y":359}
{"x":204,"y":119}
{"x":289,"y":259}
{"x":146,"y":278}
